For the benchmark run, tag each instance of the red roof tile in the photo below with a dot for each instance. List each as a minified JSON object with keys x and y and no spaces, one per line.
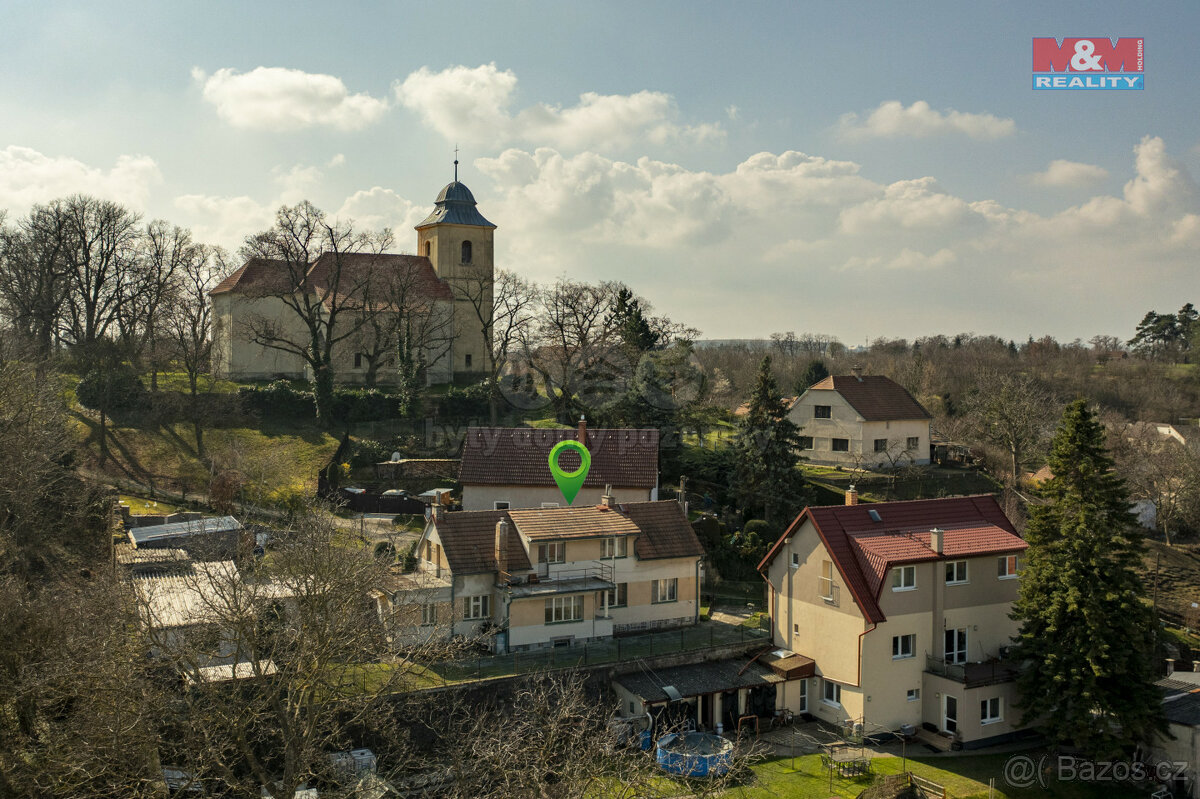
{"x":266,"y":277}
{"x":469,"y":540}
{"x":874,"y":397}
{"x":586,"y":521}
{"x":258,"y":276}
{"x":622,"y":458}
{"x":864,"y":550}
{"x":666,"y":531}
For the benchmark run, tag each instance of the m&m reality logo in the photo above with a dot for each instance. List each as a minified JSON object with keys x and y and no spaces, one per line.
{"x":1096,"y":62}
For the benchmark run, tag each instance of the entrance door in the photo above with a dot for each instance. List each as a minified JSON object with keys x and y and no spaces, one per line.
{"x":950,"y":713}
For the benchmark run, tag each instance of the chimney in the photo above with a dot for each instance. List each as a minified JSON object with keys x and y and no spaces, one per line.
{"x":935,"y":539}
{"x":1170,"y":666}
{"x":606,"y":501}
{"x":582,"y":438}
{"x":435,"y":510}
{"x":851,"y":496}
{"x":1196,"y":665}
{"x":856,"y":370}
{"x":502,"y":551}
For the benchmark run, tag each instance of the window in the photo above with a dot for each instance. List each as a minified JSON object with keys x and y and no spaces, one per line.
{"x":549,"y":504}
{"x":564,"y":608}
{"x":822,"y":412}
{"x":803,"y":696}
{"x":990,"y":710}
{"x":795,"y":560}
{"x":881,"y":445}
{"x":468,"y":360}
{"x":806,"y":442}
{"x":833,"y":693}
{"x":665,"y":590}
{"x":618,"y":597}
{"x":956,"y":645}
{"x":840,"y":444}
{"x":500,"y":504}
{"x":956,"y":572}
{"x":1007,"y":566}
{"x":554,"y":552}
{"x":903,"y":646}
{"x":795,"y":628}
{"x":912,"y":443}
{"x":428,"y":550}
{"x":358,"y":360}
{"x":913,"y":694}
{"x":825,"y":583}
{"x":466,"y":252}
{"x":428,"y":615}
{"x":616,"y":547}
{"x":904,"y":578}
{"x":476,"y":607}
{"x":428,"y":249}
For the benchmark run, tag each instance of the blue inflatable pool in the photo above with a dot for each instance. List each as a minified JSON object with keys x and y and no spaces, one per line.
{"x":694,"y":754}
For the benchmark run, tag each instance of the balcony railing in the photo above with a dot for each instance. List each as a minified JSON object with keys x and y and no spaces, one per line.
{"x":973,"y":675}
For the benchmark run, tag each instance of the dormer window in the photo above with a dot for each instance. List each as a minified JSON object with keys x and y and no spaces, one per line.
{"x":466,"y":252}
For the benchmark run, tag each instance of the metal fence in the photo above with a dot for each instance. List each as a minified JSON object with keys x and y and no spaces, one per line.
{"x":594,"y":653}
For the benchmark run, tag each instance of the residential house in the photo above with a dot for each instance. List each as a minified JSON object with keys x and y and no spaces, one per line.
{"x":904,"y":607}
{"x":862,"y":421}
{"x":1176,"y":759}
{"x":508,"y":467}
{"x":544,"y":576}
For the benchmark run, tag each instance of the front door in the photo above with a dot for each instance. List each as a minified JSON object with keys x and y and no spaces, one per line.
{"x":950,"y":713}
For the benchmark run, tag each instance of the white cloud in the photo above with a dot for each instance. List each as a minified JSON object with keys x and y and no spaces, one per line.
{"x":891,"y":120}
{"x":474,"y":105}
{"x":28,"y":177}
{"x":279,"y":99}
{"x":907,"y":204}
{"x":378,"y":208}
{"x":1067,"y":174}
{"x":225,"y":220}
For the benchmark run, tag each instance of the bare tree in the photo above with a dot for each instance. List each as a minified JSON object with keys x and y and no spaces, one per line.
{"x":324,"y":268}
{"x":1158,"y":468}
{"x":502,"y":310}
{"x":33,"y":279}
{"x":1012,"y":411}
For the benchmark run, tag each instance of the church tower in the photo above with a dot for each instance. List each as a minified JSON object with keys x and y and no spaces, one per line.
{"x":457,"y":240}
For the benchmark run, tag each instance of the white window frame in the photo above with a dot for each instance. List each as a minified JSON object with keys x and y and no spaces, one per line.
{"x":880,"y":449}
{"x":795,"y":628}
{"x":552,"y":552}
{"x":961,"y":638}
{"x":428,"y":614}
{"x":825,"y":581}
{"x":549,"y":504}
{"x":831,"y":693}
{"x":501,"y":504}
{"x":564,"y":609}
{"x":817,"y":412}
{"x":904,"y":646}
{"x":833,"y":445}
{"x":615,"y":547}
{"x":476,"y":608}
{"x":952,"y":572}
{"x":795,"y":560}
{"x":986,"y":707}
{"x":912,"y":444}
{"x":804,"y":695}
{"x":899,"y":581}
{"x":913,"y":694}
{"x":1008,"y":567}
{"x":618,"y":596}
{"x":666,"y":590}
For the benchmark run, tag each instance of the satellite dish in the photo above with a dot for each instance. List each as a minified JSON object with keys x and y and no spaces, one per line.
{"x":395,"y":457}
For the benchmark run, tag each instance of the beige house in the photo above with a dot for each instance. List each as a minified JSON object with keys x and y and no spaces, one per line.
{"x":1175,"y":760}
{"x":545,"y":576}
{"x":441,"y":287}
{"x":861,"y":421}
{"x":507,"y":467}
{"x":904,"y":607}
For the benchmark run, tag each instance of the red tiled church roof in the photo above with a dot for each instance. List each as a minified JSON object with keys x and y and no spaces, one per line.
{"x":626,"y":458}
{"x":865,"y":550}
{"x":266,"y":277}
{"x":875,"y":397}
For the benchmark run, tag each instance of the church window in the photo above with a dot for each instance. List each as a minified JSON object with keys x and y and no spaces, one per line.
{"x":428,"y":249}
{"x":468,"y":360}
{"x":358,"y":360}
{"x":466,"y":252}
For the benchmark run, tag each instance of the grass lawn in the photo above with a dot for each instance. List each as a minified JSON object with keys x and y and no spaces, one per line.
{"x":965,"y":777}
{"x":139,"y":506}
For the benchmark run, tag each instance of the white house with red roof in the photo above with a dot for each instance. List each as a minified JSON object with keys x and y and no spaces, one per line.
{"x":861,"y":420}
{"x":904,"y":607}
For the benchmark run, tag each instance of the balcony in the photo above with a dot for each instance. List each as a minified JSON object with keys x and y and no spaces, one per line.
{"x":973,"y":675}
{"x":561,"y":581}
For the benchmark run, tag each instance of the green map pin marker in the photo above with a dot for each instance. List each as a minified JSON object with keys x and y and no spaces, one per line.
{"x":569,"y":483}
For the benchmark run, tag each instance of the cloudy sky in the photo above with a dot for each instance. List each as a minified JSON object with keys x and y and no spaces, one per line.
{"x":876,"y":169}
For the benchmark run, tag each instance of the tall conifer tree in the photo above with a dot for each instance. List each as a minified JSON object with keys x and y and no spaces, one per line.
{"x":1087,"y":634}
{"x":767,"y":446}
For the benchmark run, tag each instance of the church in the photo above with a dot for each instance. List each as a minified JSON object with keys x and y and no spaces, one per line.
{"x":449,"y":280}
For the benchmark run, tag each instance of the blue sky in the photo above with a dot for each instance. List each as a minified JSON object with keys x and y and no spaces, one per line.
{"x":863,"y":170}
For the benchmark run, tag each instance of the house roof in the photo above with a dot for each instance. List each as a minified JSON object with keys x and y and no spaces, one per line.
{"x":144,"y":536}
{"x":1181,"y":698}
{"x":865,"y":550}
{"x":469,"y":540}
{"x":875,"y":397}
{"x":263,"y":277}
{"x":696,"y":679}
{"x":662,"y":531}
{"x":455,"y":205}
{"x":626,"y":458}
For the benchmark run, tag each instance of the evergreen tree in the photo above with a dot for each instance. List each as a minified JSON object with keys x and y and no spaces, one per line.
{"x":766,"y":447}
{"x":814,"y":373}
{"x":1086,"y":632}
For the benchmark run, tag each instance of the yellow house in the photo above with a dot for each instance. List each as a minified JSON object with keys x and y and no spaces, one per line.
{"x":861,"y":421}
{"x":904,"y":607}
{"x":544,"y":576}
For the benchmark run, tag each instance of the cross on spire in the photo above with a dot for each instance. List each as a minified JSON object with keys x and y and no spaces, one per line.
{"x":456,"y":163}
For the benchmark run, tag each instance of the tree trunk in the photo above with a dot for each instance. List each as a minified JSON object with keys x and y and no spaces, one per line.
{"x":103,"y":439}
{"x":323,"y":394}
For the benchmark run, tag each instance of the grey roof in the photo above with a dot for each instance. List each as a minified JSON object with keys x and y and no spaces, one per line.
{"x":455,"y":206}
{"x":696,"y":679}
{"x":158,"y":532}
